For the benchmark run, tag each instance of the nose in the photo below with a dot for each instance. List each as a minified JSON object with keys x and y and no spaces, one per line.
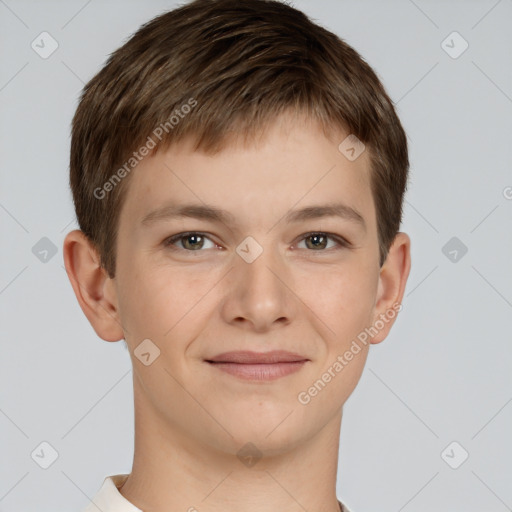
{"x":258,"y":293}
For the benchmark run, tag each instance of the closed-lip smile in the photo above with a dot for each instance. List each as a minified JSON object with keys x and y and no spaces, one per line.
{"x":259,"y":366}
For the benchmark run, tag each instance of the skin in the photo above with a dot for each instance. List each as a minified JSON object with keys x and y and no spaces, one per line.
{"x":191,"y":419}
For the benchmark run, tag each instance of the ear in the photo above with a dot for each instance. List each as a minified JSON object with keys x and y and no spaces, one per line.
{"x":392,"y":280}
{"x":95,"y":291}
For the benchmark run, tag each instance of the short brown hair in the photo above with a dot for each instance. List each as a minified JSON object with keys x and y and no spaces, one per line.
{"x":243,"y":62}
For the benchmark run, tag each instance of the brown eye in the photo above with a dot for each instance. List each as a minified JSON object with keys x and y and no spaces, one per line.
{"x":189,"y":241}
{"x":320,"y":241}
{"x":317,"y":241}
{"x":193,"y":242}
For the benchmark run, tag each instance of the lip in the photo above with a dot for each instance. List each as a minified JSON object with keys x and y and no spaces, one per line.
{"x":250,"y":357}
{"x":259,"y":366}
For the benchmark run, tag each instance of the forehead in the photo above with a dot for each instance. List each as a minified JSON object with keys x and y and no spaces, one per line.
{"x":292,"y":165}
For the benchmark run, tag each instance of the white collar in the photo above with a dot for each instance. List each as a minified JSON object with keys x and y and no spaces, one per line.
{"x":109,"y":499}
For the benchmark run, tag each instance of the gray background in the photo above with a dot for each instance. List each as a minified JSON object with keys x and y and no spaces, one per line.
{"x":443,"y":374}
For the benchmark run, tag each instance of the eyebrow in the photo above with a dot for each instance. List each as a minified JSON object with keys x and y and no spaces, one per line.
{"x":214,"y":214}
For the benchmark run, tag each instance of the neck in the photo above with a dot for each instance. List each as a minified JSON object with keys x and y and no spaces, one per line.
{"x":172,"y":471}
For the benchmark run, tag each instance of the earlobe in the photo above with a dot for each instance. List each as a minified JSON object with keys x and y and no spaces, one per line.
{"x":392,"y":281}
{"x":93,"y":288}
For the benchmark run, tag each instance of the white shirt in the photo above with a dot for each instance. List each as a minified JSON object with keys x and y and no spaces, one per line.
{"x":109,"y":499}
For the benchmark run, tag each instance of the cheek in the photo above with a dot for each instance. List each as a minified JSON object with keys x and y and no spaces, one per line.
{"x":144,"y":302}
{"x":343,"y":297}
{"x":160,"y":303}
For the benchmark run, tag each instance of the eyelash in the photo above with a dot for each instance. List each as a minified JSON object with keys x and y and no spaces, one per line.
{"x":342,"y":243}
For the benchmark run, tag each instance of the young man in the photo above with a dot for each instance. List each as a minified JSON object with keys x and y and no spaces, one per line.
{"x":238,"y":175}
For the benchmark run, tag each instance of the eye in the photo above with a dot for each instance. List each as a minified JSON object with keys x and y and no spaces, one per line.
{"x":192,"y":241}
{"x":318,"y":241}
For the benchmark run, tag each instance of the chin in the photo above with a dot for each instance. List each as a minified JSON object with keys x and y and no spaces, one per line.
{"x":270,"y":437}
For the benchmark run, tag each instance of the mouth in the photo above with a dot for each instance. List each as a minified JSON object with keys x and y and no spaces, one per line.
{"x":259,"y":366}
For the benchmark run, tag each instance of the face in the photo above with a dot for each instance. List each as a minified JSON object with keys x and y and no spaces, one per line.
{"x":255,"y":262}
